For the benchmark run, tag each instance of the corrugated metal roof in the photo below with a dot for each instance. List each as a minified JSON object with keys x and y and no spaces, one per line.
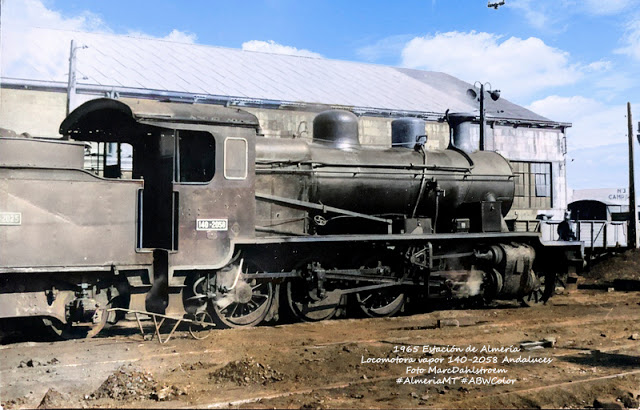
{"x":152,"y":64}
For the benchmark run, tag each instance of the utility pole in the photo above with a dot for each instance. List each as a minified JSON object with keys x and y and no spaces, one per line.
{"x":71,"y":86}
{"x":495,"y":96}
{"x":633,"y":211}
{"x":482,"y":121}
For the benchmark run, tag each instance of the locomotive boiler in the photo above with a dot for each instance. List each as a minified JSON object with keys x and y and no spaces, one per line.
{"x":224,"y":225}
{"x":442,"y":191}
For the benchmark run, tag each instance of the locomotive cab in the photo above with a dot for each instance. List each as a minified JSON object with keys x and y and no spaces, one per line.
{"x":197,"y":166}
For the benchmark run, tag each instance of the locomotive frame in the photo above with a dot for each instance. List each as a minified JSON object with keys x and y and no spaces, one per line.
{"x":185,"y":235}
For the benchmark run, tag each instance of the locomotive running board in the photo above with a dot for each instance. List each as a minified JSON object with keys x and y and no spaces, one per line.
{"x":393,"y":238}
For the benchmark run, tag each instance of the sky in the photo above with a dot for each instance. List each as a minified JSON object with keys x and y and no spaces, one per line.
{"x":574,"y":61}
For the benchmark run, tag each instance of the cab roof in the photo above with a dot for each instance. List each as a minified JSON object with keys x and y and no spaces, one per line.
{"x":105,"y":119}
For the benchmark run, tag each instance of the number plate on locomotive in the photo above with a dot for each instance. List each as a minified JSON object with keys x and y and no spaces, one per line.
{"x":10,"y":218}
{"x":212,"y":224}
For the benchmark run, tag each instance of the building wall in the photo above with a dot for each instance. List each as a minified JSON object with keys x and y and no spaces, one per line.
{"x":610,"y":196}
{"x":37,"y":112}
{"x":535,"y":145}
{"x":372,"y":130}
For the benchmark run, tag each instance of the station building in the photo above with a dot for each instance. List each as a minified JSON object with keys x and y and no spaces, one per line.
{"x":617,"y":199}
{"x":285,"y":92}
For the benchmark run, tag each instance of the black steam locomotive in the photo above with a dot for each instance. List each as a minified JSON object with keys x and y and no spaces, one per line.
{"x":224,"y":225}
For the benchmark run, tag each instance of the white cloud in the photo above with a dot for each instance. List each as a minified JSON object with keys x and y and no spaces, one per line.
{"x":598,"y":66}
{"x":276,"y":48}
{"x":487,"y":57}
{"x":34,"y":13}
{"x":536,"y":15}
{"x":181,"y":37}
{"x":614,"y":84}
{"x":631,"y":40}
{"x":26,"y":53}
{"x":555,"y":16}
{"x":176,"y":36}
{"x":387,"y":47}
{"x":594,"y":123}
{"x":597,"y":142}
{"x":607,"y":7}
{"x":600,"y":167}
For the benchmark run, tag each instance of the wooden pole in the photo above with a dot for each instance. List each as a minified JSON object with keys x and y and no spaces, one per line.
{"x":633,"y":211}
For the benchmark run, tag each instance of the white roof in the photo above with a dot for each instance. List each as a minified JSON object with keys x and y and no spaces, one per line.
{"x":135,"y":63}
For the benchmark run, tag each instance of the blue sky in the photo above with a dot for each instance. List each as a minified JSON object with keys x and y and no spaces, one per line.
{"x":569,"y":60}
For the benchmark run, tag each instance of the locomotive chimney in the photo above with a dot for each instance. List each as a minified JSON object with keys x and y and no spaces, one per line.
{"x":405,"y":132}
{"x":461,"y":125}
{"x":337,"y":128}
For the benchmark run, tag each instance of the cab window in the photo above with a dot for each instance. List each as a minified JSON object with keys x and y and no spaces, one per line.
{"x":196,"y":156}
{"x":235,"y":158}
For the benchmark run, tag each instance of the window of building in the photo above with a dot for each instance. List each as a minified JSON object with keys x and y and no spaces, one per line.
{"x":519,"y":175}
{"x":542,"y":174}
{"x":236,"y":155}
{"x":109,"y":159}
{"x":196,"y":160}
{"x":532,"y":185}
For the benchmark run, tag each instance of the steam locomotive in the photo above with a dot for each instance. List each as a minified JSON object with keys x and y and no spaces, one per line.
{"x":224,"y":225}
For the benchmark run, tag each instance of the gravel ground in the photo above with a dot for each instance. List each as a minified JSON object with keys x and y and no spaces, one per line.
{"x":585,"y":352}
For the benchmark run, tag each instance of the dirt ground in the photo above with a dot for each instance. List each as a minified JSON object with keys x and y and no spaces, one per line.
{"x":588,"y":355}
{"x":606,"y":270}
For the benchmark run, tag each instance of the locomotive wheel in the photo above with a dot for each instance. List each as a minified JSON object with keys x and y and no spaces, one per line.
{"x":202,"y":329}
{"x":383,"y":302}
{"x":491,"y":285}
{"x":542,"y":292}
{"x":247,"y":305}
{"x":303,"y":308}
{"x":245,"y":313}
{"x":380,"y":303}
{"x":85,"y":330}
{"x":65,"y":331}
